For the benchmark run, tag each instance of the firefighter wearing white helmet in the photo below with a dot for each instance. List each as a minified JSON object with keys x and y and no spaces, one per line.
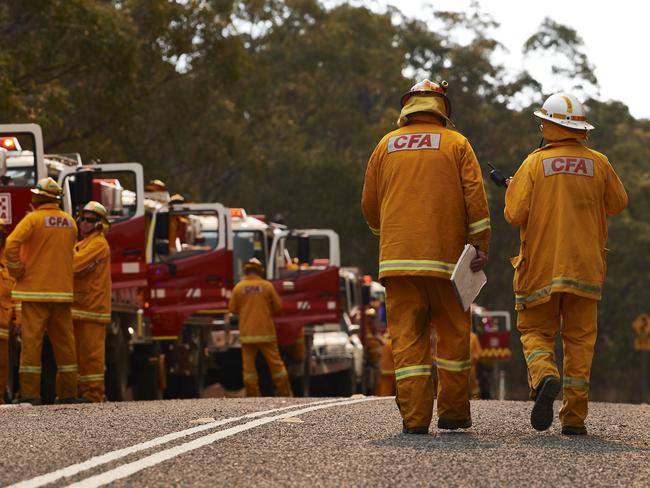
{"x":91,"y":309}
{"x":255,"y":301}
{"x":560,"y":199}
{"x":6,"y":313}
{"x":39,"y":255}
{"x":425,"y":176}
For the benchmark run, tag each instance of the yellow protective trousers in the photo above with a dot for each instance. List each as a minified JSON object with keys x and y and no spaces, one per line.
{"x":90,"y":339}
{"x":576,"y":318}
{"x":413,"y":303}
{"x":272,"y":356}
{"x":56,"y":319}
{"x":4,"y":362}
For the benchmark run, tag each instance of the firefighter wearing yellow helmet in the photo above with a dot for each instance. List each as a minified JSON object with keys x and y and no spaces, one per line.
{"x":91,"y":309}
{"x":39,"y":255}
{"x":424,"y":197}
{"x":560,"y":199}
{"x":255,"y":301}
{"x":6,"y":313}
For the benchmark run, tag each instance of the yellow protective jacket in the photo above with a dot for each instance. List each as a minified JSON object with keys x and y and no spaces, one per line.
{"x":6,"y":304}
{"x":424,"y":197}
{"x":92,"y":279}
{"x":39,"y":255}
{"x":255,"y":301}
{"x":560,"y":197}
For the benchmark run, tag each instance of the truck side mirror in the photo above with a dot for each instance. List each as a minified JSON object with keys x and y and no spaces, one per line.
{"x":365,"y":295}
{"x":81,"y":190}
{"x":303,"y":249}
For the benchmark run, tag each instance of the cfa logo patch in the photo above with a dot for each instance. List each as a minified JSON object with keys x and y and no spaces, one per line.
{"x":568,"y":165}
{"x":57,"y":221}
{"x":250,"y":289}
{"x":414,"y":142}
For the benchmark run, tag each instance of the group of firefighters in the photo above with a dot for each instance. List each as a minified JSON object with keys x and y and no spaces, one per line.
{"x":424,"y":197}
{"x":55,"y":278}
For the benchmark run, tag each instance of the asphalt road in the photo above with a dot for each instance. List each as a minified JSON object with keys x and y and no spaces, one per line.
{"x":312,"y":442}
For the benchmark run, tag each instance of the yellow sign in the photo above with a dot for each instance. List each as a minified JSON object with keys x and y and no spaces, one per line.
{"x":642,"y":327}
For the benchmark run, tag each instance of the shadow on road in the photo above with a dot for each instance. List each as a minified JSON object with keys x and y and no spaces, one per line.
{"x":581,"y":444}
{"x":450,"y":441}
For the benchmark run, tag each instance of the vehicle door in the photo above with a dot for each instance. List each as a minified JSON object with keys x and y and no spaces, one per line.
{"x":120,"y":188}
{"x":190,"y":265}
{"x":304,"y":268}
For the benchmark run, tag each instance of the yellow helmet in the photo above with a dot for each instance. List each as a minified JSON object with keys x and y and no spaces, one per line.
{"x":254,"y":264}
{"x":430,"y":88}
{"x":177,"y":198}
{"x":96,"y":208}
{"x":155,"y":185}
{"x":49,"y":188}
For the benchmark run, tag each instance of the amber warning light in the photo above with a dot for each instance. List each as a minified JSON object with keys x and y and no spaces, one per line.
{"x":9,"y":143}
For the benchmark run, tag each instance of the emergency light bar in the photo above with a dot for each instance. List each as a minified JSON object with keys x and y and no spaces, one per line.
{"x":237,"y":213}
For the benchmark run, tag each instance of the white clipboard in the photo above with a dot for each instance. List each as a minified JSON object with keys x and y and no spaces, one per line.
{"x":467,"y":284}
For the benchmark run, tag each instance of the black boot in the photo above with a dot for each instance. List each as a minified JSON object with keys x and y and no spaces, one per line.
{"x":569,"y":430}
{"x":415,"y":430}
{"x":541,"y":416}
{"x":454,"y":424}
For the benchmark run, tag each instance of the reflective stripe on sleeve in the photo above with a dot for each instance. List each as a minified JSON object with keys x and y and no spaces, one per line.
{"x":416,"y":265}
{"x":374,"y":231}
{"x":416,"y":370}
{"x":454,"y":366}
{"x":537,"y":354}
{"x":479,"y":226}
{"x":30,"y":369}
{"x":14,"y":264}
{"x":280,"y":374}
{"x":4,"y":333}
{"x":577,"y":383}
{"x":67,"y":368}
{"x":91,"y":377}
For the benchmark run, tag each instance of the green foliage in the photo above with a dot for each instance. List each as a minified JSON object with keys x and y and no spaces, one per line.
{"x":276,"y":106}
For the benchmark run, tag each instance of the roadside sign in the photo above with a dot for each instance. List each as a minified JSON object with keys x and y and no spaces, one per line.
{"x":642,"y":327}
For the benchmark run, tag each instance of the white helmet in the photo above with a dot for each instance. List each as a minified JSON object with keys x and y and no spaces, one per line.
{"x":564,"y":109}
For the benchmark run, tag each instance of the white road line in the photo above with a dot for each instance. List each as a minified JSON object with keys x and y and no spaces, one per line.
{"x":146,"y":462}
{"x":120,"y":453}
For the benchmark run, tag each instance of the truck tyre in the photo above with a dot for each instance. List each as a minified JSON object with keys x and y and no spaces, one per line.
{"x":343,"y":383}
{"x":230,"y":369}
{"x":146,"y":372}
{"x":117,"y":362}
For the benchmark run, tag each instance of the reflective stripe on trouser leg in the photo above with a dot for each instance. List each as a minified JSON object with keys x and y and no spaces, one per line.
{"x":453,"y":327}
{"x":34,"y":317}
{"x":251,"y":381}
{"x":276,"y":365}
{"x":407,"y":308}
{"x":60,"y":330}
{"x":4,"y":367}
{"x":90,"y":339}
{"x":538,"y":326}
{"x":579,"y":330}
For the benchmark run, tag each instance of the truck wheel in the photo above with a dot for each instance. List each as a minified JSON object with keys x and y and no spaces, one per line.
{"x":343,"y":383}
{"x":230,"y":369}
{"x":146,"y":372}
{"x":117,"y":363}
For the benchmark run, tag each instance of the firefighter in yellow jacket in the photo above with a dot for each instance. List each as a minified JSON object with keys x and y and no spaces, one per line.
{"x":6,"y":312}
{"x":255,"y":301}
{"x":39,"y":255}
{"x":424,"y":197}
{"x":91,"y":309}
{"x":560,"y":198}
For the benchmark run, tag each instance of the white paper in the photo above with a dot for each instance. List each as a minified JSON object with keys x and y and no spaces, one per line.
{"x":466,"y":283}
